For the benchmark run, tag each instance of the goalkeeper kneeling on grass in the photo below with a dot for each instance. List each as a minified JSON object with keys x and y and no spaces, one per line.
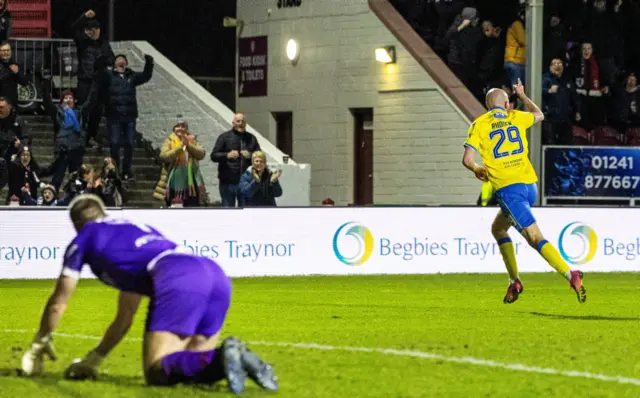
{"x":189,"y":299}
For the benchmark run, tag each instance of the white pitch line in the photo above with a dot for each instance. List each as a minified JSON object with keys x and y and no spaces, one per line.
{"x":406,"y":353}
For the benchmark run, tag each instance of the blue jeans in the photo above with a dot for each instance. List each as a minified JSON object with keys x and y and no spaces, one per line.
{"x":122,"y":133}
{"x":229,"y":193}
{"x":515,"y":72}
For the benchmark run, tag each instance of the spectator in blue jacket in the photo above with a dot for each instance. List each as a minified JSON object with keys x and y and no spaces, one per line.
{"x":71,"y":136}
{"x":558,"y":105}
{"x":258,"y":185}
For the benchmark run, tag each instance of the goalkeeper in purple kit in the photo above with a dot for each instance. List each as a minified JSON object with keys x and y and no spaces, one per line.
{"x":188,"y":301}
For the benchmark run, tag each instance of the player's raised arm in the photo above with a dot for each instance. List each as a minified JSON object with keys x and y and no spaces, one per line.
{"x":87,"y":368}
{"x":529,"y":105}
{"x":42,"y":344}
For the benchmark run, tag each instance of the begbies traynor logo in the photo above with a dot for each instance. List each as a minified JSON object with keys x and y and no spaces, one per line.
{"x":582,"y":253}
{"x":353,"y":243}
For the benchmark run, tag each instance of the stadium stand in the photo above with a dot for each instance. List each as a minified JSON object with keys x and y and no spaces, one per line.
{"x":598,"y":76}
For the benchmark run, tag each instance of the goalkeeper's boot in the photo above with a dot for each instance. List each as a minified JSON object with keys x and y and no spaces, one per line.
{"x":258,"y":370}
{"x":514,"y":290}
{"x":234,"y":372}
{"x":576,"y":285}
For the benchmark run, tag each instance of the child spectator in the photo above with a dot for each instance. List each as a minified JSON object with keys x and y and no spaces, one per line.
{"x":48,"y":197}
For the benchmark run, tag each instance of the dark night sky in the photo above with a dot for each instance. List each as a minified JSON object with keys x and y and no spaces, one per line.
{"x":188,"y":32}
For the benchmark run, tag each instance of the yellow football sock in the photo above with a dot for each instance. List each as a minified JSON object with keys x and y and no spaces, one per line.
{"x":509,"y":257}
{"x":550,"y":253}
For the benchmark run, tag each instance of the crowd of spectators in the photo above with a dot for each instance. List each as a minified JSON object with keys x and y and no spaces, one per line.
{"x":107,"y":87}
{"x":590,"y":59}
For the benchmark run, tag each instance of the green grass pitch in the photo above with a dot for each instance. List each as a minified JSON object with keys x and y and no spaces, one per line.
{"x":430,"y":336}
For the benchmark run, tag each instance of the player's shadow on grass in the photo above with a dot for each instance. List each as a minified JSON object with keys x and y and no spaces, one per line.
{"x":585,"y":317}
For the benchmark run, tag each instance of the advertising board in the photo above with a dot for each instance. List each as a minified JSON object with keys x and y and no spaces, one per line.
{"x":340,"y":241}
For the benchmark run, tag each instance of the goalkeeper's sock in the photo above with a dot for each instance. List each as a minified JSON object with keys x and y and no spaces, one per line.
{"x":509,"y":257}
{"x":550,"y":253}
{"x":187,"y":366}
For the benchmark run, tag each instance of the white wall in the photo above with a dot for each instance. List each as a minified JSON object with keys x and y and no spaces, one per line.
{"x":171,"y":92}
{"x":418,"y":132}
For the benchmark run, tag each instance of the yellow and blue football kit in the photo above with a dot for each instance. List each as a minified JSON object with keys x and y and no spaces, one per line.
{"x":500,"y":136}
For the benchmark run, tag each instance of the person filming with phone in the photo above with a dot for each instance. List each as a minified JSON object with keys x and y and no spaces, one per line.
{"x":260,"y":186}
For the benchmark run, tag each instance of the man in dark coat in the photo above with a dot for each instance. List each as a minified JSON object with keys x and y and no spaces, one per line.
{"x":232,"y":152}
{"x":122,"y":108}
{"x":91,"y":46}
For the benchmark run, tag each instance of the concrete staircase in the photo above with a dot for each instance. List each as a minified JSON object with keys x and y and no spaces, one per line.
{"x":146,"y":168}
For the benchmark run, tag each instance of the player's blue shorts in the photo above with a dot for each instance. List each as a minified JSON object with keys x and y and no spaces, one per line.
{"x":191,"y":295}
{"x":515,"y":201}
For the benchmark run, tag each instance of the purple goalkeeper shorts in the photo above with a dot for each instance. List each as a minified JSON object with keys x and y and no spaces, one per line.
{"x":191,"y":295}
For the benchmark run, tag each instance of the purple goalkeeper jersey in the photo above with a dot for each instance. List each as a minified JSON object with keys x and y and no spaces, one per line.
{"x":119,"y":252}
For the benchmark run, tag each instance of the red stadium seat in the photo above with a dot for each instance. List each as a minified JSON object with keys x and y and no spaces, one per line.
{"x":580,"y":136}
{"x":606,"y":136}
{"x":633,"y":136}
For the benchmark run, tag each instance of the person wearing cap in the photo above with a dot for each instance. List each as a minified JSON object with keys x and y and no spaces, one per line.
{"x":464,"y":37}
{"x":71,"y":136}
{"x":23,"y":173}
{"x":48,"y":198}
{"x":120,"y":85}
{"x":182,"y":177}
{"x":91,"y":47}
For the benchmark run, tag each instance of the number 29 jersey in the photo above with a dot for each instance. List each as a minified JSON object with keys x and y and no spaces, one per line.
{"x":500,"y":136}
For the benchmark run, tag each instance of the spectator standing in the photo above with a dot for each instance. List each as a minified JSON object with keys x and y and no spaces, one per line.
{"x":71,"y":136}
{"x":232,"y":152}
{"x":464,"y":37}
{"x":626,"y":99}
{"x":122,"y":108}
{"x":605,"y":25}
{"x":13,"y":131}
{"x":516,"y":52}
{"x":23,"y":175}
{"x":10,"y":75}
{"x":586,"y":73}
{"x":91,"y":47}
{"x":556,"y":39}
{"x":491,"y":66}
{"x":5,"y":21}
{"x":260,"y":186}
{"x":446,"y":12}
{"x":184,"y":180}
{"x":558,"y":105}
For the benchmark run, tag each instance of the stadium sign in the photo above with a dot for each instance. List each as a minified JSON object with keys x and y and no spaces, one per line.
{"x":340,"y":241}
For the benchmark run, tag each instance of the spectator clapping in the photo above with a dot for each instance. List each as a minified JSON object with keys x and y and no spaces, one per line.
{"x":260,"y":186}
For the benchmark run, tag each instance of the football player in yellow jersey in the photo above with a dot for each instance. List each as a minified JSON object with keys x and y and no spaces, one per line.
{"x":500,"y":137}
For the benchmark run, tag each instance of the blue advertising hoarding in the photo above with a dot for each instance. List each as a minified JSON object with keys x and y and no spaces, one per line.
{"x":591,"y":172}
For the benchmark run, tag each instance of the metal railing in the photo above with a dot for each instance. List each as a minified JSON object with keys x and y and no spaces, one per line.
{"x":44,"y":57}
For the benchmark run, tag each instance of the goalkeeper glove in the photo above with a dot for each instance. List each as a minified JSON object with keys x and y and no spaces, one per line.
{"x":33,"y":358}
{"x":86,"y":368}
